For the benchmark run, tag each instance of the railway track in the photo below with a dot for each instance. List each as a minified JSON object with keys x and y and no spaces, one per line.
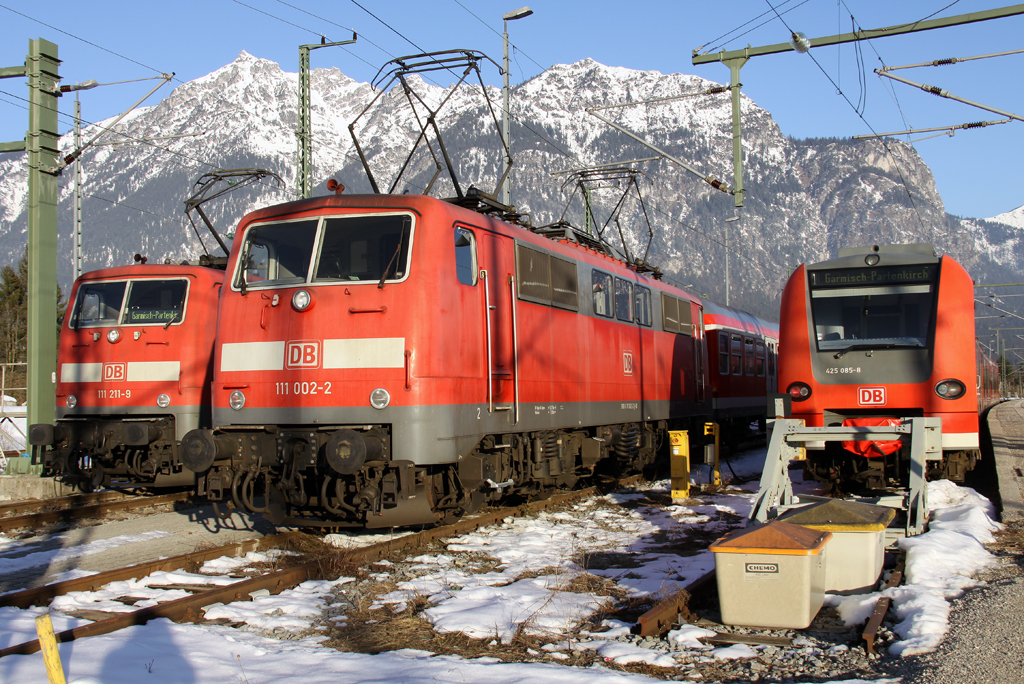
{"x":190,"y":608}
{"x":60,"y":503}
{"x":72,"y":512}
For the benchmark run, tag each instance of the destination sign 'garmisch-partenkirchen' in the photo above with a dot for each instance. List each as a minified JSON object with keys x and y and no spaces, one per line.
{"x":887,"y":275}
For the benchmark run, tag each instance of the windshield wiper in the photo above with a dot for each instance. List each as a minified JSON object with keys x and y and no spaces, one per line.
{"x":380,"y":285}
{"x":870,"y":347}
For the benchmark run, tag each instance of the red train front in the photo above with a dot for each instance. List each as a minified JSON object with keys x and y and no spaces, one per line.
{"x":133,"y":374}
{"x":878,"y":334}
{"x":396,"y":359}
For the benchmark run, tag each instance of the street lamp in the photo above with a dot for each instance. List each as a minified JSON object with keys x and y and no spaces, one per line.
{"x":76,"y":230}
{"x":506,"y":185}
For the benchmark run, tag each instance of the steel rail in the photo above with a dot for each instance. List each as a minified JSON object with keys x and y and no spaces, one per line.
{"x":882,"y":607}
{"x":190,"y":607}
{"x":83,"y":512}
{"x":60,"y":502}
{"x":40,"y":595}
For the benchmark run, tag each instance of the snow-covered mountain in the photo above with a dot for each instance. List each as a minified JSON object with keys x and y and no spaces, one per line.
{"x":1013,"y":218}
{"x":804,"y":198}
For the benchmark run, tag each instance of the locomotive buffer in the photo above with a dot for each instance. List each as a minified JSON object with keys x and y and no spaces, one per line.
{"x":922,"y":436}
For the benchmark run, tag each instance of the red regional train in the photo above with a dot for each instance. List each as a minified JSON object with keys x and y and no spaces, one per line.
{"x":133,"y":376}
{"x":387,"y":360}
{"x":878,"y":334}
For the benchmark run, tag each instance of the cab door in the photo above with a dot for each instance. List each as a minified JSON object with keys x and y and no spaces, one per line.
{"x":497,"y":271}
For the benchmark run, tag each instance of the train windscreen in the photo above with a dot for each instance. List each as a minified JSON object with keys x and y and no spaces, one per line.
{"x":148,"y":301}
{"x":873,"y":308}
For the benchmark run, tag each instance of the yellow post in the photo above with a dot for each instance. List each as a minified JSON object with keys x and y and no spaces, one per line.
{"x":54,"y":670}
{"x":679,"y":446}
{"x":713,"y":429}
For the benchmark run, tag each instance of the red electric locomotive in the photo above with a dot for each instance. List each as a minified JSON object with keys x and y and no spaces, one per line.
{"x":873,"y":336}
{"x":133,"y":376}
{"x":387,"y":360}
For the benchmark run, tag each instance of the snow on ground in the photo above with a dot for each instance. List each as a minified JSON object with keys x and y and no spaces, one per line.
{"x":519,"y":574}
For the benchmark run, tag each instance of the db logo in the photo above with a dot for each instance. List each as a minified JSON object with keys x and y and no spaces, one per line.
{"x":627,"y":363}
{"x":871,"y":396}
{"x":302,"y":354}
{"x":114,"y":371}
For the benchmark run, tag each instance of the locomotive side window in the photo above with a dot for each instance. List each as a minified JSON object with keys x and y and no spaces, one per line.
{"x":364,"y":248}
{"x":873,"y":308}
{"x":159,"y":302}
{"x":643,"y":305}
{"x":98,"y":304}
{"x":623,"y":300}
{"x":465,"y":256}
{"x":759,"y":358}
{"x":277,"y":254}
{"x":602,"y":294}
{"x":669,"y":313}
{"x":736,"y":359}
{"x":723,"y":353}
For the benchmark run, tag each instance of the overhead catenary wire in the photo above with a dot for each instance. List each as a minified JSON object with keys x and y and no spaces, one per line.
{"x":191,"y":162}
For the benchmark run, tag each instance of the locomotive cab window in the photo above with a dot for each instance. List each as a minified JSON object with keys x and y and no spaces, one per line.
{"x":602,"y":294}
{"x":623,"y":300}
{"x":465,"y":256}
{"x":155,"y":302}
{"x":893,"y":311}
{"x":364,"y":248}
{"x":98,"y":304}
{"x":276,"y":254}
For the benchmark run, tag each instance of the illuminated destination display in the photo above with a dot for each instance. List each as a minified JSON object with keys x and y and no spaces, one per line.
{"x":887,"y":275}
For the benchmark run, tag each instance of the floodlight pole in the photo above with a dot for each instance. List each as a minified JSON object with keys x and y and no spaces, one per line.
{"x":505,"y":195}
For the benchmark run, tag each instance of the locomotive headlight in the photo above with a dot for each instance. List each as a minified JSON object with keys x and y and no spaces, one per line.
{"x":236,"y":400}
{"x":71,"y":401}
{"x":379,"y":398}
{"x":799,"y":391}
{"x":950,"y":389}
{"x":301,"y":300}
{"x":163,"y":401}
{"x":113,"y":335}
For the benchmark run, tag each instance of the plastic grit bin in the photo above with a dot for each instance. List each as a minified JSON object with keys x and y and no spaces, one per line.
{"x":857,"y":549}
{"x":772,"y":575}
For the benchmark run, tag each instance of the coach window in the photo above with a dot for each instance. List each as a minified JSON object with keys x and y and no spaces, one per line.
{"x":759,"y":358}
{"x":643,"y":306}
{"x":602,"y":294}
{"x":623,"y":300}
{"x":748,"y":355}
{"x":723,"y":353}
{"x":736,"y":360}
{"x":465,"y":256}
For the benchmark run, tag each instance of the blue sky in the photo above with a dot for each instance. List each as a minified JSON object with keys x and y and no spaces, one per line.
{"x":977,"y":172}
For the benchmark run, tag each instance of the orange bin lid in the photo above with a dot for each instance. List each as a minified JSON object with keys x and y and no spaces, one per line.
{"x":774,"y":538}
